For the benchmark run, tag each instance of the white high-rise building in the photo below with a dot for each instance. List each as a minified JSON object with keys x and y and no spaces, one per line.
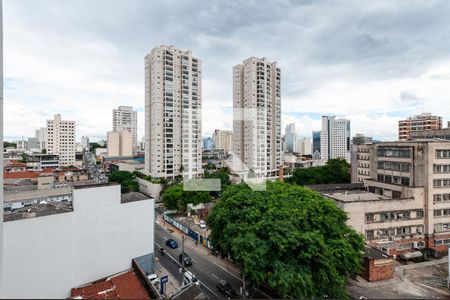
{"x":257,"y":116}
{"x":126,"y":118}
{"x":173,"y":99}
{"x":61,"y":140}
{"x":1,"y":148}
{"x":41,"y":136}
{"x":85,"y":142}
{"x":120,"y":143}
{"x":223,"y":140}
{"x":335,"y":138}
{"x":303,"y":146}
{"x":290,"y":138}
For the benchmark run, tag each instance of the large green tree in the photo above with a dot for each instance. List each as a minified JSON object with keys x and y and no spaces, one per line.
{"x":175,"y":197}
{"x":289,"y":237}
{"x":335,"y":171}
{"x":126,"y":180}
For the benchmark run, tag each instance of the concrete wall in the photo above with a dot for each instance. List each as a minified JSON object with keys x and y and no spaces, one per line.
{"x":148,"y":188}
{"x":47,"y":256}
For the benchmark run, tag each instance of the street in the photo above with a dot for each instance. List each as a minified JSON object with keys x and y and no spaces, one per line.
{"x":207,"y":272}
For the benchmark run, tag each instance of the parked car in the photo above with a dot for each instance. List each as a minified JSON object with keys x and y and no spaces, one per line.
{"x":187,"y":259}
{"x":226,"y":288}
{"x":202,"y":224}
{"x":154,"y":279}
{"x":171,"y":244}
{"x":189,"y":278}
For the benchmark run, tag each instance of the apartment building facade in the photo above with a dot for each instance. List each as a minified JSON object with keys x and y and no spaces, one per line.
{"x":173,"y":102}
{"x":120,"y":143}
{"x":61,"y":140}
{"x":125,"y":118}
{"x":335,"y":138}
{"x":425,"y":121}
{"x":418,"y":170}
{"x":257,"y":116}
{"x":223,"y":140}
{"x":361,"y":149}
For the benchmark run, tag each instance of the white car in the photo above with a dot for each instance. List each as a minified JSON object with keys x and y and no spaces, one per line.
{"x":154,"y":279}
{"x":202,"y":224}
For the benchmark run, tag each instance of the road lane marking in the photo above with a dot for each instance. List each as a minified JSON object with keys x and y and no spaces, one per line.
{"x":213,"y":275}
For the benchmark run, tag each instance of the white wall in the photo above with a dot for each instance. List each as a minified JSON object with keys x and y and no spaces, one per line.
{"x":47,"y":256}
{"x":152,"y":189}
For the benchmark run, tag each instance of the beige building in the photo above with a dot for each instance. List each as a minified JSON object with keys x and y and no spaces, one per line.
{"x":303,"y":146}
{"x":257,"y":116}
{"x":125,"y":118}
{"x":61,"y":140}
{"x":424,"y":121}
{"x":409,"y":177}
{"x":173,"y":102}
{"x":335,"y":138}
{"x":223,"y":140}
{"x":120,"y":143}
{"x":360,"y":158}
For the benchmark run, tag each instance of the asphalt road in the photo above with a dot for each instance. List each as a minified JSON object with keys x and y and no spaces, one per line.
{"x":207,"y":272}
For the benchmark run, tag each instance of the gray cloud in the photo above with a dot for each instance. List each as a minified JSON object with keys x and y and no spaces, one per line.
{"x":88,"y":55}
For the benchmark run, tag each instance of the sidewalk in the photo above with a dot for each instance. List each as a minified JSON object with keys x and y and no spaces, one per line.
{"x":200,"y":249}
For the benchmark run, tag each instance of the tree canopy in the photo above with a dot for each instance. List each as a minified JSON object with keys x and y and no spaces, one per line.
{"x":126,"y":180}
{"x":289,"y":237}
{"x":174,"y":197}
{"x":335,"y":171}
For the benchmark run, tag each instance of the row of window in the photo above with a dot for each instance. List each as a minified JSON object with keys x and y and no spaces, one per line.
{"x":441,"y":197}
{"x":393,"y":231}
{"x":393,"y":216}
{"x":441,"y":242}
{"x":393,"y":179}
{"x":441,"y":183}
{"x":441,"y":168}
{"x":383,"y":152}
{"x":441,"y":212}
{"x":394,"y":166}
{"x":442,"y":153}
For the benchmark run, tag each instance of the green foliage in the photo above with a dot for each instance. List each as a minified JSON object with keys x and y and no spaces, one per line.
{"x":8,"y":144}
{"x":129,"y":186}
{"x":120,"y":176}
{"x":174,"y":197}
{"x":70,"y":167}
{"x":223,"y":174}
{"x":93,"y":146}
{"x":44,"y":151}
{"x":335,"y":171}
{"x":126,"y":180}
{"x":24,"y":158}
{"x":289,"y":237}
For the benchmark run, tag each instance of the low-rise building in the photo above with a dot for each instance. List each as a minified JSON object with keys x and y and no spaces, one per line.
{"x":65,"y":245}
{"x":406,"y":204}
{"x":39,"y":162}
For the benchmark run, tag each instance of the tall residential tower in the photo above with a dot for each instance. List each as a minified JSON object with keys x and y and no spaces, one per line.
{"x":335,"y":138}
{"x":125,"y":118}
{"x":257,"y":116}
{"x":173,"y":99}
{"x":61,"y":140}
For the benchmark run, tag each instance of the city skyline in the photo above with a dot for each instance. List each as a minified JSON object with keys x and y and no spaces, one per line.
{"x":377,"y":77}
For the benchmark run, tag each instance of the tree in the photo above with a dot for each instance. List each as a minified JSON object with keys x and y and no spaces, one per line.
{"x":289,"y":237}
{"x":175,"y":197}
{"x":8,"y":144}
{"x":93,"y":146}
{"x":129,"y":186}
{"x":120,"y":176}
{"x":335,"y":171}
{"x":223,"y":174}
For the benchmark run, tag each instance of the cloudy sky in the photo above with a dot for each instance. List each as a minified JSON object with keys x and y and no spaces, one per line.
{"x":371,"y":61}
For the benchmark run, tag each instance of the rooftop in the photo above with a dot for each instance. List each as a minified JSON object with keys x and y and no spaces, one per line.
{"x":122,"y":286}
{"x":354,"y":196}
{"x":38,"y":210}
{"x":28,"y":193}
{"x":20,"y":175}
{"x":133,"y":196}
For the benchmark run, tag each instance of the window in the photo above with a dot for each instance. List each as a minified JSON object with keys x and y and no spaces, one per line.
{"x":437,"y":213}
{"x":370,"y":234}
{"x":442,"y":153}
{"x":370,"y":217}
{"x":419,"y":214}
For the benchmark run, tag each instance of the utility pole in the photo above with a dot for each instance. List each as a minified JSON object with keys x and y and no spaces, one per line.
{"x":243,"y":286}
{"x":182,"y":259}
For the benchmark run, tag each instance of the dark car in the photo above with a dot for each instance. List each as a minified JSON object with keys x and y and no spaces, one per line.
{"x":171,"y":244}
{"x":187,"y":259}
{"x":226,"y":289}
